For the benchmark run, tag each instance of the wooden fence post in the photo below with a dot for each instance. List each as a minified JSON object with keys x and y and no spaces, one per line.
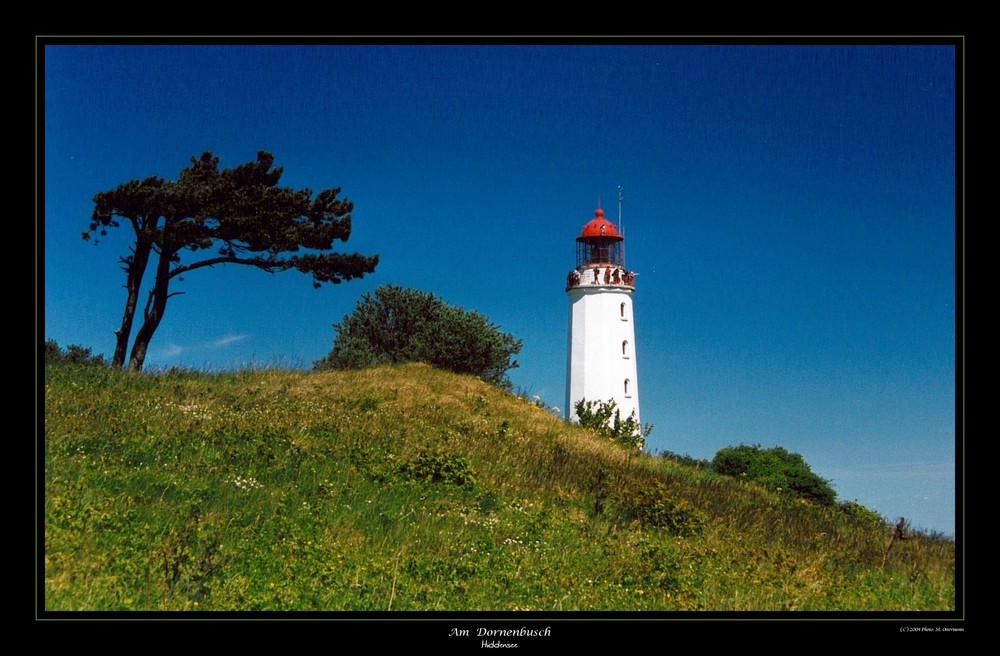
{"x":897,"y":533}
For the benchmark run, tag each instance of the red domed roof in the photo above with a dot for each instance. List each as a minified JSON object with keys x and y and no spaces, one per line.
{"x":600,"y":227}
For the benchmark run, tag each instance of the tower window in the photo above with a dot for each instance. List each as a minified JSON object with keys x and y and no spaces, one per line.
{"x":621,"y":311}
{"x":627,"y":387}
{"x":625,"y":349}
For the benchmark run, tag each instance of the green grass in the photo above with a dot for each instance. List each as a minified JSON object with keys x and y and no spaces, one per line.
{"x":409,"y":488}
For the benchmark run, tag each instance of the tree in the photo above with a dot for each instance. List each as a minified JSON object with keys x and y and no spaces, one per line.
{"x":228,"y":216}
{"x":407,"y":325}
{"x":775,"y":468}
{"x":606,"y":419}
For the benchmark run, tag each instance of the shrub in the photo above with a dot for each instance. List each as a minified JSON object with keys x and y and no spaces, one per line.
{"x":407,"y":325}
{"x":686,"y":459}
{"x":775,"y":468}
{"x":652,"y":506}
{"x":606,"y":419}
{"x":74,"y":354}
{"x":439,"y":468}
{"x":863,"y":514}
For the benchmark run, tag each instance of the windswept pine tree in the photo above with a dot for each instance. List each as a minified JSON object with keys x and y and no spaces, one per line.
{"x":209,"y":217}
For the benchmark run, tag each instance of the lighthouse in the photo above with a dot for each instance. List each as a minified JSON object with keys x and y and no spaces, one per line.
{"x":601,"y":362}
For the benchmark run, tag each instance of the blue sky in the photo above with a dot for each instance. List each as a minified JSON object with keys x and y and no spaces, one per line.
{"x":790,"y":211}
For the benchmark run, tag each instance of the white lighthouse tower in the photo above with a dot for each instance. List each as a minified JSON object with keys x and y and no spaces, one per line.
{"x":601,"y":363}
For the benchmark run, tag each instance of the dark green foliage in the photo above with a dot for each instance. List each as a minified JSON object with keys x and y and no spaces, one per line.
{"x":863,"y":514}
{"x":406,"y":325}
{"x":489,"y":502}
{"x":606,"y":419}
{"x":441,"y":468}
{"x":652,"y":506}
{"x":685,"y":459}
{"x":234,"y":216}
{"x":660,"y":566}
{"x":74,"y":354}
{"x":188,"y":559}
{"x":775,"y":468}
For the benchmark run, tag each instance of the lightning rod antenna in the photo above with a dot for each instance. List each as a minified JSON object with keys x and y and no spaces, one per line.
{"x":620,"y":198}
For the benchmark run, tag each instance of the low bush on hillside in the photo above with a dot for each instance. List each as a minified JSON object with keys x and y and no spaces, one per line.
{"x":73,"y":354}
{"x":605,"y":418}
{"x":654,"y":507}
{"x":863,"y":514}
{"x":439,"y":468}
{"x":685,"y":459}
{"x":775,"y":468}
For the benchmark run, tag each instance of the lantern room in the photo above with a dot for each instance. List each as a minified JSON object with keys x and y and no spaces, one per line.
{"x":599,"y":243}
{"x":601,"y":362}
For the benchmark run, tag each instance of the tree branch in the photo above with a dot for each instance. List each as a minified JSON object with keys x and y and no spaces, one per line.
{"x":264,"y":265}
{"x":149,"y":304}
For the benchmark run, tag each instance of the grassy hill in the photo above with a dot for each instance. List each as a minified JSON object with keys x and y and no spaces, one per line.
{"x":409,"y":488}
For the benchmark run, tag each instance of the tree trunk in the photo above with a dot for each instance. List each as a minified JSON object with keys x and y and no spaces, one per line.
{"x":135,"y":270}
{"x":149,"y":326}
{"x":153,"y":313}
